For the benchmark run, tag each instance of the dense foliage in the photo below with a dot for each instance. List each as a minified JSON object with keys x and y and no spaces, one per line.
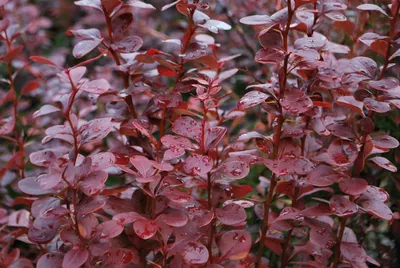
{"x":227,"y":133}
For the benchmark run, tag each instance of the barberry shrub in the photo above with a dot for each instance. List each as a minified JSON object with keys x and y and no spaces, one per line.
{"x":199,"y":134}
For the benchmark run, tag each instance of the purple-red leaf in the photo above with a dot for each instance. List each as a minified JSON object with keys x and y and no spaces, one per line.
{"x":95,"y":129}
{"x":75,"y":258}
{"x":251,"y":99}
{"x":175,"y":219}
{"x":127,"y":217}
{"x":98,"y":86}
{"x":296,"y":102}
{"x":351,"y":103}
{"x":177,"y":146}
{"x":145,"y":228}
{"x":353,"y":186}
{"x":372,"y":7}
{"x":45,"y":109}
{"x":197,"y":164}
{"x":129,"y":44}
{"x":323,"y":176}
{"x":342,"y":152}
{"x":384,"y":163}
{"x":385,"y":142}
{"x":194,"y":253}
{"x":109,"y":229}
{"x":50,"y":260}
{"x":257,"y":20}
{"x":342,"y":206}
{"x":231,"y":214}
{"x":235,"y":245}
{"x":188,"y":127}
{"x":93,"y":183}
{"x":84,"y":47}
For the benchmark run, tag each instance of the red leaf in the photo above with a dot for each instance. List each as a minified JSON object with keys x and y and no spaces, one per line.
{"x":45,"y":109}
{"x":129,"y":44}
{"x":42,"y":60}
{"x":175,"y":219}
{"x":109,"y":229}
{"x":342,"y":130}
{"x":87,"y":34}
{"x":75,"y":258}
{"x":354,"y":253}
{"x":372,"y":7}
{"x":41,"y":236}
{"x":296,"y":102}
{"x":231,"y":214}
{"x":323,"y":176}
{"x":194,"y":253}
{"x":98,"y":86}
{"x":31,"y":186}
{"x":342,"y":152}
{"x":176,"y":195}
{"x":84,"y":47}
{"x":270,"y":55}
{"x":93,"y":183}
{"x":241,"y":190}
{"x":121,"y":23}
{"x":188,"y":127}
{"x":176,"y":145}
{"x":384,"y":84}
{"x":320,"y":233}
{"x":127,"y":217}
{"x":95,"y":129}
{"x":29,"y":87}
{"x":322,"y":104}
{"x":385,"y":142}
{"x":145,"y":228}
{"x":76,"y":74}
{"x":12,"y":54}
{"x":353,"y":186}
{"x":102,"y":161}
{"x":89,"y":3}
{"x":251,"y":99}
{"x":384,"y":163}
{"x":201,"y":217}
{"x":50,"y":260}
{"x":257,"y":20}
{"x":235,"y":245}
{"x":44,"y":158}
{"x":372,"y":201}
{"x":110,"y":5}
{"x":117,"y":257}
{"x":342,"y":206}
{"x":165,"y":71}
{"x":140,"y":4}
{"x":215,"y":25}
{"x":6,"y":125}
{"x":213,"y":135}
{"x":90,"y":205}
{"x":363,"y":65}
{"x":351,"y":103}
{"x":197,"y":164}
{"x":281,"y":167}
{"x":376,"y":106}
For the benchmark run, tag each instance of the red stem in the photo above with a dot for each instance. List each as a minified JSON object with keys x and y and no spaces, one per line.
{"x":18,"y":139}
{"x":190,"y":32}
{"x":276,"y":139}
{"x":360,"y":156}
{"x":125,"y":76}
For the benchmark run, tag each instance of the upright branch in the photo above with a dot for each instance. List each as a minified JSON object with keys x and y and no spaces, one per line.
{"x":18,"y":134}
{"x":283,"y":73}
